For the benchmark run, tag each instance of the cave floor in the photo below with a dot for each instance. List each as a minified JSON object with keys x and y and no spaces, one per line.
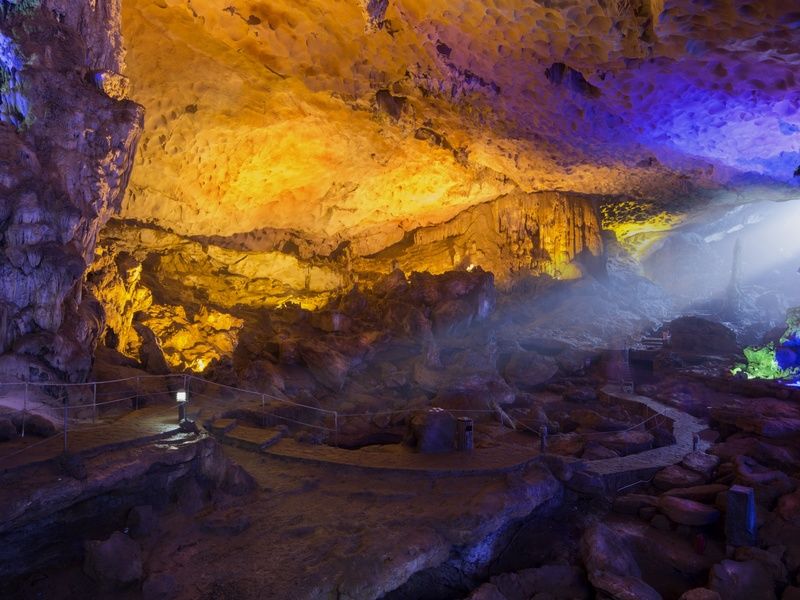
{"x":319,"y":531}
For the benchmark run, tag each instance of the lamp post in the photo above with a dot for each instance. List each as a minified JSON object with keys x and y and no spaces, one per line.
{"x":182,"y":398}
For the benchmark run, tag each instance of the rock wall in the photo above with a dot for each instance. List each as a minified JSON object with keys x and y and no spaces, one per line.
{"x":189,"y":298}
{"x":65,"y":159}
{"x":515,"y":234}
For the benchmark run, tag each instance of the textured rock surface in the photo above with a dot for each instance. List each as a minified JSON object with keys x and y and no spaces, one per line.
{"x":392,"y":115}
{"x":65,"y":158}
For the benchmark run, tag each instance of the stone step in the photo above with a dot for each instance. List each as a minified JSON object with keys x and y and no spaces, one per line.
{"x":221,"y":426}
{"x":252,"y":438}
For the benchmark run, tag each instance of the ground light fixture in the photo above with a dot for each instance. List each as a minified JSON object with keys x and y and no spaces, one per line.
{"x":181,"y":397}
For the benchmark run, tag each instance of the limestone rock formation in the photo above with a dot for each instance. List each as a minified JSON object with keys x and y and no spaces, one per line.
{"x":66,"y":150}
{"x":395,"y":117}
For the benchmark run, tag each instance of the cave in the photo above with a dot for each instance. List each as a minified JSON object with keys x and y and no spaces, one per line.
{"x":400,"y":299}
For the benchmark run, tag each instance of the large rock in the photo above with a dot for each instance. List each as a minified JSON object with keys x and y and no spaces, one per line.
{"x":767,"y":417}
{"x":604,"y":551}
{"x":667,"y":559}
{"x":735,"y":580}
{"x":432,"y":431}
{"x":328,"y":366}
{"x":687,"y":512}
{"x":702,"y":463}
{"x":789,"y":508}
{"x":7,"y":430}
{"x":626,"y":442}
{"x":770,"y":561}
{"x":529,"y":370}
{"x":700,"y":336}
{"x":701,"y":493}
{"x":676,"y":476}
{"x":768,"y":484}
{"x":116,"y":561}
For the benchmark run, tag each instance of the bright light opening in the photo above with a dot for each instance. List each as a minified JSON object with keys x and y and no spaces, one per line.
{"x":181,"y":396}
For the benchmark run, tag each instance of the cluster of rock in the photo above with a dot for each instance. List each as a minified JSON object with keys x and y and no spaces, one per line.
{"x":723,"y":523}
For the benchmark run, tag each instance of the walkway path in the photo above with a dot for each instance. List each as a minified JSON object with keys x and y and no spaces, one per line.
{"x":684,"y":428}
{"x":142,"y":426}
{"x":152,"y":422}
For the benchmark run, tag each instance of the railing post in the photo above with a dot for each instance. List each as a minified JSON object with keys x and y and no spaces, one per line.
{"x":263,"y":410}
{"x":336,"y":428}
{"x":138,"y":389}
{"x":94,"y":402}
{"x":24,"y":409}
{"x":66,"y":408}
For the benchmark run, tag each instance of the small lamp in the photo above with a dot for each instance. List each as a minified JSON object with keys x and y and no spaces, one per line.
{"x":182,"y":398}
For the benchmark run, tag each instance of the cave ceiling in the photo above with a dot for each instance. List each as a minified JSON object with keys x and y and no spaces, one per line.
{"x":335,"y":120}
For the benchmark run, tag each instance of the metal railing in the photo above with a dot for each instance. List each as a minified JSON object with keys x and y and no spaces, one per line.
{"x":70,"y":408}
{"x":80,"y":407}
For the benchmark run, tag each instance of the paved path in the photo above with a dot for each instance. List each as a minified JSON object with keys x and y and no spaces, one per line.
{"x":395,"y":457}
{"x":684,"y":428}
{"x":147,"y":423}
{"x":140,"y":425}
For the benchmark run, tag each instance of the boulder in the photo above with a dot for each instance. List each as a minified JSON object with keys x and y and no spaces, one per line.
{"x":771,"y":455}
{"x":768,"y":484}
{"x":7,"y":430}
{"x":789,"y":508}
{"x":328,"y":366}
{"x":700,"y":493}
{"x":687,"y":512}
{"x":766,"y":417}
{"x":702,"y":463}
{"x":604,"y":551}
{"x":771,"y":562}
{"x":116,"y":561}
{"x":432,"y":431}
{"x":668,"y":559}
{"x":699,"y":336}
{"x":529,"y":370}
{"x":734,"y":580}
{"x":35,"y":425}
{"x":676,"y":476}
{"x":594,"y":421}
{"x":631,"y":504}
{"x":626,"y":442}
{"x":594,"y":451}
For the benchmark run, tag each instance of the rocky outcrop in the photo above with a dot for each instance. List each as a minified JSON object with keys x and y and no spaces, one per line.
{"x":518,"y":233}
{"x":65,"y":159}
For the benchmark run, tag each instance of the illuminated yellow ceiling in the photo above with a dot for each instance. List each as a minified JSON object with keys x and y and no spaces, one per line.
{"x":268,"y":115}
